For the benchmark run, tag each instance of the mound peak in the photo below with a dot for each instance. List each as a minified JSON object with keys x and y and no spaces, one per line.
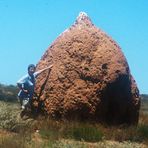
{"x":83,"y":19}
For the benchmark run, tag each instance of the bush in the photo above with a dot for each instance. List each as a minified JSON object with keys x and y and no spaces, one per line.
{"x":49,"y":134}
{"x":8,"y":93}
{"x":143,"y":131}
{"x":86,"y":133}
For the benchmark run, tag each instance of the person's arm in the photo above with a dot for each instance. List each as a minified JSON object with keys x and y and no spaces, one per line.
{"x":21,"y":82}
{"x":42,"y":70}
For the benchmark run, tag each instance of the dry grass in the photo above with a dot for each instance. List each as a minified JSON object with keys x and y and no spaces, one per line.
{"x":48,"y":133}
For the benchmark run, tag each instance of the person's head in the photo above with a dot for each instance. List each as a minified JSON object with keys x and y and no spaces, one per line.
{"x":31,"y":69}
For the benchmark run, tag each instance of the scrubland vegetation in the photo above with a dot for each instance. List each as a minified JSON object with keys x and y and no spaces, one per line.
{"x":41,"y":132}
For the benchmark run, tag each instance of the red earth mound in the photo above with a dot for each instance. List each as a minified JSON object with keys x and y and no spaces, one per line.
{"x":90,"y":77}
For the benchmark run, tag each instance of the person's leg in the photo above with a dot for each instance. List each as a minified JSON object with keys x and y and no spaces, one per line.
{"x":31,"y":91}
{"x":26,"y":102}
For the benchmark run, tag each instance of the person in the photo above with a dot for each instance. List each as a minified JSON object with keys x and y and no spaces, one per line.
{"x":26,"y":85}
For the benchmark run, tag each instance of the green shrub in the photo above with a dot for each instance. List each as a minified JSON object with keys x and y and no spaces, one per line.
{"x":86,"y":132}
{"x":143,"y":131}
{"x":8,"y":93}
{"x":50,"y":134}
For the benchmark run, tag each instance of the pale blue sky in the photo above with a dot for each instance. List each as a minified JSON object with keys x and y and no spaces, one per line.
{"x":28,"y":27}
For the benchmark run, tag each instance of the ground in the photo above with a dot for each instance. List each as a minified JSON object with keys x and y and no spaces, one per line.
{"x":17,"y":132}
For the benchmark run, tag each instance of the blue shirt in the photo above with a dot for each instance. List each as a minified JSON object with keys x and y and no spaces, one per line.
{"x":28,"y":83}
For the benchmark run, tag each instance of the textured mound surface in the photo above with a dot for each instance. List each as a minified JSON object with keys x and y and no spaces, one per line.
{"x":90,"y":78}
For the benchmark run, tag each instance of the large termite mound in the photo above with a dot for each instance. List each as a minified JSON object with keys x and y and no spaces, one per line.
{"x":90,"y":77}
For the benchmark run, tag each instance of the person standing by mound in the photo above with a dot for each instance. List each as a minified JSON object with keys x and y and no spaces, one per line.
{"x":26,"y":85}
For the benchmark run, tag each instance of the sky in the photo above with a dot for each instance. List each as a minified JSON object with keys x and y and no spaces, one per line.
{"x":28,"y":27}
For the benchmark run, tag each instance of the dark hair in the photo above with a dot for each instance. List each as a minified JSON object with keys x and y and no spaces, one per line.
{"x":31,"y":65}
